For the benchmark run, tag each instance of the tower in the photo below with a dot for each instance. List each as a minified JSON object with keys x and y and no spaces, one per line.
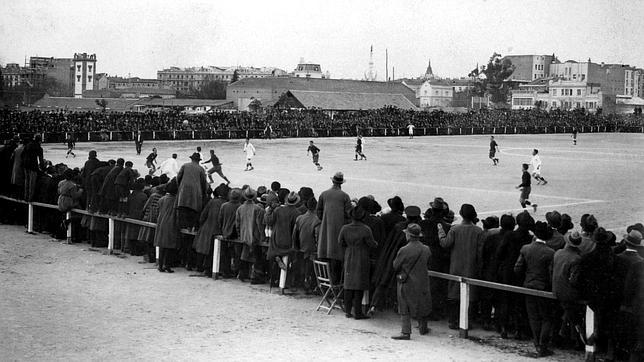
{"x":429,"y":74}
{"x":370,"y":75}
{"x":84,"y":73}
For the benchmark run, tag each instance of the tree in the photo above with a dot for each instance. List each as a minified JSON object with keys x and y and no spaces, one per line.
{"x":490,"y":79}
{"x":235,"y":76}
{"x":101,"y":103}
{"x":212,"y":89}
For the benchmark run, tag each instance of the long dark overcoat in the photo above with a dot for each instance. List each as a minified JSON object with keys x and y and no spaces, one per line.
{"x":333,"y":210}
{"x":357,"y":240}
{"x":414,"y":295}
{"x":167,"y":232}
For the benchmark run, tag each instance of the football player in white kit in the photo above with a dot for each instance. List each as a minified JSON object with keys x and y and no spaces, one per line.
{"x":536,"y":167}
{"x":250,"y":152}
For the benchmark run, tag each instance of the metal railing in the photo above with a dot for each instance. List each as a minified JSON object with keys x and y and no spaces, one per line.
{"x":465,"y":282}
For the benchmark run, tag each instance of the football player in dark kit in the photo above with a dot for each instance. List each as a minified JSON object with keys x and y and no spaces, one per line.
{"x":359,"y":149}
{"x":525,"y":188}
{"x":315,"y":151}
{"x":494,"y":148}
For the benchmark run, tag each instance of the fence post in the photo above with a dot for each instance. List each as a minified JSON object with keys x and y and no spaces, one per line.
{"x":515,"y":130}
{"x":30,"y":218}
{"x":246,"y":133}
{"x":472,"y":130}
{"x":193,"y":134}
{"x":174,"y":134}
{"x":216,"y":251}
{"x":68,"y":219}
{"x":505,"y":130}
{"x":297,"y":132}
{"x":365,"y":301}
{"x":89,"y":137}
{"x":582,"y":129}
{"x":229,"y":135}
{"x":437,"y":131}
{"x":463,"y":316}
{"x":385,"y":132}
{"x":154,"y":135}
{"x":110,"y":135}
{"x":110,"y":235}
{"x":460,"y":130}
{"x":590,"y":330}
{"x":283,"y":273}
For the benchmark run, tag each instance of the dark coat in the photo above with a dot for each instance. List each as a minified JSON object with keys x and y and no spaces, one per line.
{"x":377,"y":227}
{"x":384,"y":275}
{"x":208,"y":226}
{"x":192,"y":186}
{"x":167,"y":232}
{"x":414,"y":295}
{"x":509,"y":253}
{"x":356,"y":239}
{"x":226,"y":218}
{"x":557,"y":241}
{"x":136,"y":208}
{"x":634,"y":296}
{"x":282,"y":219}
{"x":391,"y":219}
{"x":32,"y":157}
{"x":90,"y":165}
{"x":108,"y":189}
{"x":439,"y":259}
{"x":465,"y":243}
{"x":565,"y":271}
{"x":333,"y":210}
{"x":598,"y":282}
{"x":491,"y":246}
{"x":305,"y":234}
{"x":535,"y":264}
{"x":150,"y":214}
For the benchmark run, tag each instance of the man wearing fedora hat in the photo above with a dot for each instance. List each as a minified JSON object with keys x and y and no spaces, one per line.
{"x":565,"y":269}
{"x":413,"y":292}
{"x":230,"y":248}
{"x":209,"y":227}
{"x":464,"y":241}
{"x":282,"y":219}
{"x":333,"y":210}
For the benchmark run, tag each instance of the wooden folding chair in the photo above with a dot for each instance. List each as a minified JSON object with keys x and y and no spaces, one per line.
{"x":330,"y":292}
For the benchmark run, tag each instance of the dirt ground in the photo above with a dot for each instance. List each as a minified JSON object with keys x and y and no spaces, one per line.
{"x":67,"y":302}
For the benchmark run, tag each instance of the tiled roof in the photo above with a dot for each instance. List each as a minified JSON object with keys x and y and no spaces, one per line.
{"x":120,"y":104}
{"x":341,"y":101}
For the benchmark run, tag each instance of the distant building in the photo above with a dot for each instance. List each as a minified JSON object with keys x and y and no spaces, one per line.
{"x":530,"y":67}
{"x":435,"y":93}
{"x":60,"y":69}
{"x":269,"y":90}
{"x":309,"y":70}
{"x":193,"y":78}
{"x":14,"y":75}
{"x":84,"y":73}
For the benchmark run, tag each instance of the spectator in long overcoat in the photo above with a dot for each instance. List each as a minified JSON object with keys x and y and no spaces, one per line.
{"x":395,"y":214}
{"x":282,"y":219}
{"x":109,"y":196}
{"x":465,"y":243}
{"x":247,"y":220}
{"x":151,"y":214}
{"x":208,"y":228}
{"x":413,"y":288}
{"x":333,"y":210}
{"x":356,"y":239}
{"x":17,"y":172}
{"x":123,"y":183}
{"x":535,"y":266}
{"x":91,"y":164}
{"x":166,"y":236}
{"x":136,"y":208}
{"x":32,"y":163}
{"x":192,"y":183}
{"x":565,"y":271}
{"x":439,"y":258}
{"x":633,"y":305}
{"x":305,"y":239}
{"x":231,"y":249}
{"x":512,"y":313}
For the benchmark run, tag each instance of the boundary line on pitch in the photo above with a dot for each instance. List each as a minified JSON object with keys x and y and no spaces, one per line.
{"x":450,"y":187}
{"x":549,"y":207}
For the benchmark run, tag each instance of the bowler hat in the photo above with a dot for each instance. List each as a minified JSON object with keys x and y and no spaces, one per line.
{"x":413,"y":230}
{"x":468,"y":212}
{"x":293,"y":198}
{"x":396,"y":204}
{"x":438,"y":204}
{"x":633,"y":238}
{"x":554,"y":219}
{"x":412,"y":211}
{"x":524,"y":220}
{"x":338,"y":178}
{"x":366,"y":203}
{"x":195,"y":156}
{"x":639,"y":227}
{"x":358,"y":213}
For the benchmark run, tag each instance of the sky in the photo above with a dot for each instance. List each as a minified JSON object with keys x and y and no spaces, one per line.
{"x":138,"y":38}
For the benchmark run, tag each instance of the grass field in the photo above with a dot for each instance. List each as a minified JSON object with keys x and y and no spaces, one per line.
{"x":601,"y":175}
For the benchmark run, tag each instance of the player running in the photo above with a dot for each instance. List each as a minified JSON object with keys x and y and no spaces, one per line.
{"x":250,"y":152}
{"x":216,"y":167}
{"x":536,"y":167}
{"x":410,"y":128}
{"x":525,"y":188}
{"x":151,"y":161}
{"x":359,"y":149}
{"x":315,"y":151}
{"x":71,"y":144}
{"x":494,"y":148}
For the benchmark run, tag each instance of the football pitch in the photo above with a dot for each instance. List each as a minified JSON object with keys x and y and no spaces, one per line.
{"x":601,"y":175}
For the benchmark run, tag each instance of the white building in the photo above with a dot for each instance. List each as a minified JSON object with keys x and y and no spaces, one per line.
{"x":84,"y":73}
{"x":309,"y":70}
{"x":435,"y":93}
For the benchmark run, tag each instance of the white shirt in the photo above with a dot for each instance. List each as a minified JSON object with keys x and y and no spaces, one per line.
{"x":535,"y":162}
{"x":170,"y":167}
{"x":249,"y":149}
{"x":411,"y":127}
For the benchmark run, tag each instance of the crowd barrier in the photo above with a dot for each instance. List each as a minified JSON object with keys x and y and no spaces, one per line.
{"x":165,"y":135}
{"x":465,"y":283}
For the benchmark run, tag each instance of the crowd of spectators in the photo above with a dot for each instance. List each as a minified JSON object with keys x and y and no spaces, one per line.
{"x":13,"y":121}
{"x":263,"y":230}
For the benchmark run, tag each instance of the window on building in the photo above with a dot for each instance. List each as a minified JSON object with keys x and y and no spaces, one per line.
{"x":89,"y":67}
{"x":563,"y":92}
{"x":578,"y":92}
{"x":78,"y":78}
{"x":89,"y":78}
{"x":78,"y":67}
{"x":583,"y":77}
